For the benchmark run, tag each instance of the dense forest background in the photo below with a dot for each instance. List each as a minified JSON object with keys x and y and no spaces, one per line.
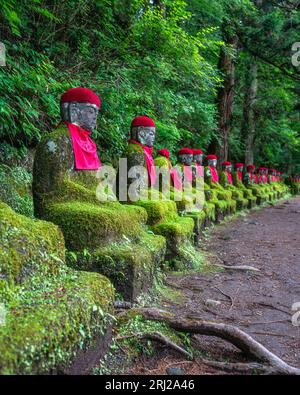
{"x":214,"y":74}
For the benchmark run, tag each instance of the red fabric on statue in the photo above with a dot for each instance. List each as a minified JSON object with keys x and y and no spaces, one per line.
{"x":240,"y":175}
{"x":176,"y":179}
{"x":200,"y":170}
{"x":149,"y":161}
{"x":229,"y":177}
{"x":214,"y":174}
{"x":188,"y":174}
{"x":84,"y":148}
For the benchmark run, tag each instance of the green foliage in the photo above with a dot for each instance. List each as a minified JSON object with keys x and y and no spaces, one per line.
{"x":16,"y":189}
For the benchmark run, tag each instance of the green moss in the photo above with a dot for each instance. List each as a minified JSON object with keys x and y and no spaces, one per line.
{"x":131,"y":268}
{"x":177,"y":233}
{"x":86,"y":225}
{"x":161,"y":162}
{"x":51,"y":318}
{"x":25,"y":242}
{"x":51,"y":310}
{"x":16,"y":189}
{"x":158,"y":210}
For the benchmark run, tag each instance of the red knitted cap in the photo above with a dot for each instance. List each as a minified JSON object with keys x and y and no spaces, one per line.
{"x":237,"y":165}
{"x":211,"y":157}
{"x":164,"y":152}
{"x":143,"y":120}
{"x":80,"y":95}
{"x":226,"y":164}
{"x":251,"y":167}
{"x":197,"y":152}
{"x":185,"y":151}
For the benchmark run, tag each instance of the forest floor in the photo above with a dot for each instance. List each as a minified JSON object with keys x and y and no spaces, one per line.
{"x":260,"y":303}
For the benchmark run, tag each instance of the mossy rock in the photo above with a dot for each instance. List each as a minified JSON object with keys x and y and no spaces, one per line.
{"x":49,"y":320}
{"x":158,"y":211}
{"x":131,"y":268}
{"x":177,"y":233}
{"x":52,"y":312}
{"x":87,"y":225}
{"x":24,"y":243}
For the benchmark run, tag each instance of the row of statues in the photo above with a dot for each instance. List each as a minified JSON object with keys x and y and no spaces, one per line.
{"x":66,"y":181}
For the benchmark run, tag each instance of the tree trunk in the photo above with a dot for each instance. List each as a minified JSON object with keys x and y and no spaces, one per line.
{"x":249,"y":117}
{"x":226,"y":95}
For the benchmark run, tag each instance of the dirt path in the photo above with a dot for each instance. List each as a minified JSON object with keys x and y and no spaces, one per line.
{"x":259,"y":303}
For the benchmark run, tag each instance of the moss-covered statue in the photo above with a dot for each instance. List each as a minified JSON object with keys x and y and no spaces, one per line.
{"x":239,"y":180}
{"x":102,"y":233}
{"x":193,"y":190}
{"x":263,"y":182}
{"x":251,"y":182}
{"x":221,"y":198}
{"x":227,"y":182}
{"x":277,"y":185}
{"x":163,"y":217}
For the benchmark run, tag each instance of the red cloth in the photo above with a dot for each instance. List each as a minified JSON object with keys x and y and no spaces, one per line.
{"x":149,"y":161}
{"x":164,"y":152}
{"x":197,"y":152}
{"x":188,"y":173}
{"x":240,"y":175}
{"x":84,"y":148}
{"x":80,"y":95}
{"x":214,"y":174}
{"x":185,"y":151}
{"x":211,"y":157}
{"x":200,"y":170}
{"x":176,"y":179}
{"x":229,"y":177}
{"x":239,"y":164}
{"x":143,"y":121}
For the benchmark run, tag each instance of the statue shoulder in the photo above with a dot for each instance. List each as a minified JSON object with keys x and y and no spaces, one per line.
{"x":161,"y":162}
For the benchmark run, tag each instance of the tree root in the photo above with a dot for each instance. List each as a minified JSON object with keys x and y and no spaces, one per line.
{"x":253,"y":349}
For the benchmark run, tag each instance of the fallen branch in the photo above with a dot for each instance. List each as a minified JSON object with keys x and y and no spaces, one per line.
{"x":245,"y":268}
{"x":230,"y":333}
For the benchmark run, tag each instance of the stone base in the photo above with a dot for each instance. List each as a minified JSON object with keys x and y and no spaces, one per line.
{"x":131,"y":267}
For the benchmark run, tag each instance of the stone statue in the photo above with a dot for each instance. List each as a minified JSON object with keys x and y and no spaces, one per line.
{"x":66,"y":192}
{"x":227,"y":182}
{"x":162,"y":212}
{"x":223,"y":198}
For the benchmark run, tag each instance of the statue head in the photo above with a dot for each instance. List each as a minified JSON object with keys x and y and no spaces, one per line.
{"x":198,"y":156}
{"x":80,"y":106}
{"x":251,"y":168}
{"x":143,"y":130}
{"x":227,"y":166}
{"x":239,"y":167}
{"x":261,"y":170}
{"x":212,"y":160}
{"x":185,"y":156}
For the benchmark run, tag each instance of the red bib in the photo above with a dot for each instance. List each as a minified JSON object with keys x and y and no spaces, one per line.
{"x":84,"y":148}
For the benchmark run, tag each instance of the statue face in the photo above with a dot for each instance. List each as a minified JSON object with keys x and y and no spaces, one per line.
{"x":198,"y":159}
{"x":144,"y":135}
{"x":212,"y":162}
{"x":228,"y":168}
{"x":81,"y":114}
{"x":186,"y":159}
{"x":239,"y":168}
